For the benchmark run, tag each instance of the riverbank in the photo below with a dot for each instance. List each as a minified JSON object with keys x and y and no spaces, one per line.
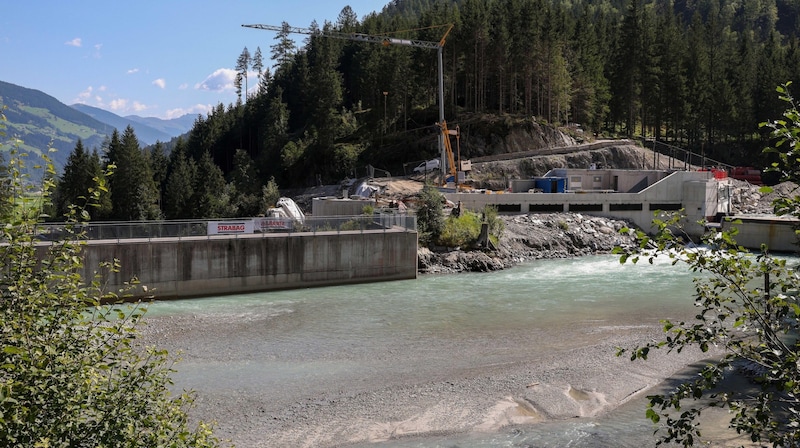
{"x":440,"y":358}
{"x":452,"y":385}
{"x":532,"y":237}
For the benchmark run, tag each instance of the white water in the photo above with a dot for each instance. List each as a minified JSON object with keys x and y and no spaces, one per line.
{"x":283,"y":344}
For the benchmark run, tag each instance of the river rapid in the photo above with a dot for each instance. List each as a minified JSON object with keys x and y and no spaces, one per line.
{"x":518,"y":357}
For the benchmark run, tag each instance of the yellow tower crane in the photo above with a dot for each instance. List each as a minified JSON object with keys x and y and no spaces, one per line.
{"x":387,"y":40}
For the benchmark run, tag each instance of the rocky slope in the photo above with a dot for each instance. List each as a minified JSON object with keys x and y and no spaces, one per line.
{"x":531,"y":237}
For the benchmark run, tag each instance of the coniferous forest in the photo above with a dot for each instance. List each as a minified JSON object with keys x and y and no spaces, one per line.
{"x":699,"y":74}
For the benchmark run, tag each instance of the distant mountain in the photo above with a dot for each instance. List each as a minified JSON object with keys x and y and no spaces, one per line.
{"x":148,"y":129}
{"x":40,"y":120}
{"x":144,"y":133}
{"x":173,"y":127}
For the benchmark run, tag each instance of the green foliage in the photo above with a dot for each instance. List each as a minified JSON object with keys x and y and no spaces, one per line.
{"x":211,"y":194}
{"x":346,"y":157}
{"x":430,"y":218}
{"x":464,"y":230}
{"x":496,"y":225}
{"x":786,"y":135}
{"x":80,"y":176}
{"x":748,"y":306}
{"x":246,"y":186}
{"x":269,"y":194}
{"x":461,"y":231}
{"x":179,"y":187}
{"x":71,"y":370}
{"x":134,"y":195}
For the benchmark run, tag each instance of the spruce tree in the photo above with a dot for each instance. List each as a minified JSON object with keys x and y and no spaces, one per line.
{"x":179,"y":186}
{"x":74,"y":184}
{"x":133,"y":191}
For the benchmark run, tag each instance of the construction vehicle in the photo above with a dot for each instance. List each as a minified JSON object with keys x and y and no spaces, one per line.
{"x":454,"y":173}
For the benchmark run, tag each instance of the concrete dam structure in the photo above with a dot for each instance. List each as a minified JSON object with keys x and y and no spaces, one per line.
{"x":228,"y":264}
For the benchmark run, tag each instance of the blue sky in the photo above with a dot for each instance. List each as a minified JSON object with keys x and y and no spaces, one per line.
{"x":153,"y":58}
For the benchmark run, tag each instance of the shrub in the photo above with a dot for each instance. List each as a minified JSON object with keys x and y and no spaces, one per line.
{"x":71,"y":372}
{"x":430,"y":220}
{"x":461,"y":231}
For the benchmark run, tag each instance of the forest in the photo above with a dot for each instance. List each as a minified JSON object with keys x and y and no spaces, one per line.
{"x":699,"y":74}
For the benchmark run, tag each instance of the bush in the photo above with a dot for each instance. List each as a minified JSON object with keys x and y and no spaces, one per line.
{"x":71,"y":372}
{"x":748,"y":306}
{"x":462,"y":231}
{"x":430,"y":220}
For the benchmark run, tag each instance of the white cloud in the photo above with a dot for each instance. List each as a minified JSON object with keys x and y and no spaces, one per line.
{"x":85,"y":95}
{"x":160,"y":82}
{"x":219,"y":81}
{"x":97,"y":48}
{"x":74,"y":42}
{"x":183,"y":86}
{"x":118,"y":104}
{"x":138,"y":107}
{"x":132,"y":71}
{"x":199,"y":109}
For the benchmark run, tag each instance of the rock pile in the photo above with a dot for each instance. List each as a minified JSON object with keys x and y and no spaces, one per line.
{"x":748,"y":199}
{"x":531,"y":237}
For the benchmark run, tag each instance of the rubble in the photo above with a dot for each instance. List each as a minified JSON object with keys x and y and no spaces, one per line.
{"x":532,"y":237}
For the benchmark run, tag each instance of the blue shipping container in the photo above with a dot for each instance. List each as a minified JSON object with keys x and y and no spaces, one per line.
{"x":551,"y":184}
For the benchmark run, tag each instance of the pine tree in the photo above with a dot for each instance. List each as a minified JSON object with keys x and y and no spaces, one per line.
{"x":133,"y":191}
{"x":73,"y":186}
{"x":258,"y":66}
{"x":210,"y":197}
{"x":179,"y":186}
{"x":159,"y":165}
{"x":242,"y":65}
{"x":246,"y":185}
{"x":284,"y":49}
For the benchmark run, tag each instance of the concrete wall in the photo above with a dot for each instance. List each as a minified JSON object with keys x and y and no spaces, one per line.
{"x":200,"y":266}
{"x":340,"y":207}
{"x":777,"y":232}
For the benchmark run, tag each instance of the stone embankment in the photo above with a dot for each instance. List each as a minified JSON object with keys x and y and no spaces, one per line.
{"x":531,"y":237}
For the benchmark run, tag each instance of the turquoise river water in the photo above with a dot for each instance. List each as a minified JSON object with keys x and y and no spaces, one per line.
{"x":267,"y":352}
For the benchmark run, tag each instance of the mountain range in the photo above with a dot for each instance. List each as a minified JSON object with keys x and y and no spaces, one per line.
{"x":40,"y":121}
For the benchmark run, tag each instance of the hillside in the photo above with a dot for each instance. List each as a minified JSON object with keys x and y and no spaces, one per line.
{"x":148,"y":129}
{"x":144,"y":133}
{"x":40,"y":120}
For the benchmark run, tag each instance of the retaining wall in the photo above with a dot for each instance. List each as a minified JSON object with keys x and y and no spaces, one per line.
{"x":216,"y":265}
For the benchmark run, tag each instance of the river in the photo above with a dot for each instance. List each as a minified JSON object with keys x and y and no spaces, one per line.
{"x":521,"y":357}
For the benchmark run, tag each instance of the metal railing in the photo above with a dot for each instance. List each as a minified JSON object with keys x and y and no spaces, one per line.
{"x":679,"y":158}
{"x":119,"y":230}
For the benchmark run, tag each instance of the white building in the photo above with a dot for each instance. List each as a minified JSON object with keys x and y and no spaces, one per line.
{"x":633,"y":195}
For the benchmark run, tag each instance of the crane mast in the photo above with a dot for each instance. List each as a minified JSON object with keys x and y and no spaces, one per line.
{"x":386,"y":41}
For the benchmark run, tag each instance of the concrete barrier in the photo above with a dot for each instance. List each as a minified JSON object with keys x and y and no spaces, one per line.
{"x":777,"y":232}
{"x":216,"y":265}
